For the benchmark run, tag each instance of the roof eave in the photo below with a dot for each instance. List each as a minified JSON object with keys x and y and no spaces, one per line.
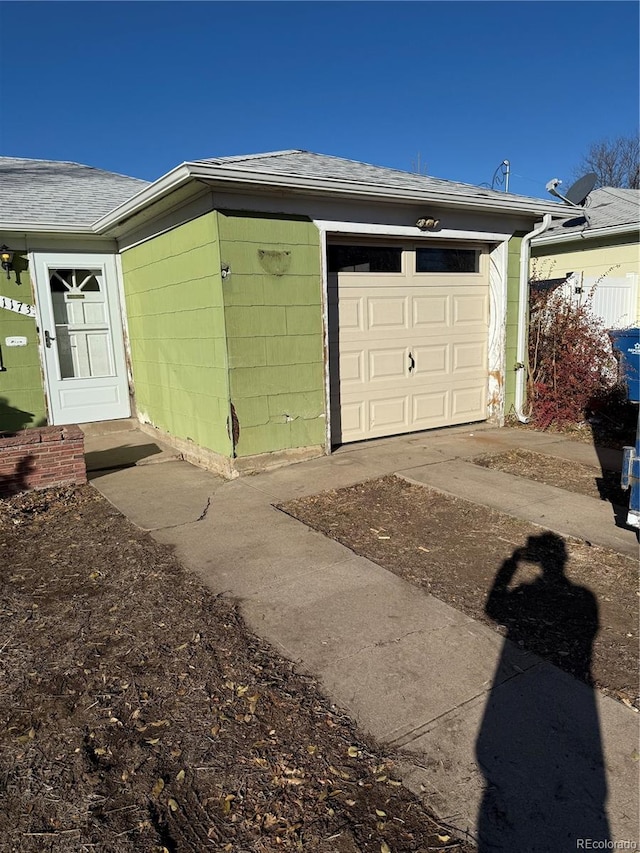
{"x":325,"y":186}
{"x":198,"y":171}
{"x":145,"y":197}
{"x":588,"y":234}
{"x":46,"y":228}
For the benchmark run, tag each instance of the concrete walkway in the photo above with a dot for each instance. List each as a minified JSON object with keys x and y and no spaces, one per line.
{"x":489,"y":731}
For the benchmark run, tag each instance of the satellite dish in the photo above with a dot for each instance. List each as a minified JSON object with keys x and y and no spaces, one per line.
{"x":577,"y":193}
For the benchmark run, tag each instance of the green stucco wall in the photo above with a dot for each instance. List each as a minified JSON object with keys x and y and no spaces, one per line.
{"x":173,"y":292}
{"x":22,"y":402}
{"x":513,"y":286}
{"x":273,"y":318}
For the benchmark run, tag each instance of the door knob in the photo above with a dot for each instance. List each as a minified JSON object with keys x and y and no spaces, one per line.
{"x":48,"y":339}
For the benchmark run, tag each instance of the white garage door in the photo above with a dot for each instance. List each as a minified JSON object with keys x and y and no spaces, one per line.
{"x":408,"y":338}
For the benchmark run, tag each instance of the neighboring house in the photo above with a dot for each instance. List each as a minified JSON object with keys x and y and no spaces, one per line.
{"x":597,"y":253}
{"x":274,"y":304}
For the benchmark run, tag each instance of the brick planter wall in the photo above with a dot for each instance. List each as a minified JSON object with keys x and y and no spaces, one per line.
{"x":42,"y":457}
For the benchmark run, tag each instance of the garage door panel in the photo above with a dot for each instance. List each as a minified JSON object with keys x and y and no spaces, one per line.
{"x":469,"y":356}
{"x":430,"y":407}
{"x":386,"y":363}
{"x":468,"y":402}
{"x":352,"y":314}
{"x":352,"y":367}
{"x":431,"y":360}
{"x":387,"y":313}
{"x":352,"y":418}
{"x":390,"y":414}
{"x":430,"y":311}
{"x":470,"y":309}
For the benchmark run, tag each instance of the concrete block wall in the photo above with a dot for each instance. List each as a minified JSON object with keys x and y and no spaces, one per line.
{"x":40,"y":458}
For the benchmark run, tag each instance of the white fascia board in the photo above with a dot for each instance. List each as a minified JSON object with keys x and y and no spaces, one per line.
{"x":332,"y":187}
{"x":145,"y":197}
{"x":587,"y":234}
{"x":45,"y":228}
{"x":331,"y":227}
{"x":320,"y":186}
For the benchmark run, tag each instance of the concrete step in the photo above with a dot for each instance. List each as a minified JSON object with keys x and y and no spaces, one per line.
{"x":123,"y":449}
{"x":108,"y":427}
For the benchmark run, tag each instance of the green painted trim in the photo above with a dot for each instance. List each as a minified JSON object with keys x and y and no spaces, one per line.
{"x":513,"y":288}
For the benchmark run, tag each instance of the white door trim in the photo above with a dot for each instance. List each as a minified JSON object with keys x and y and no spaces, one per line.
{"x":89,"y":402}
{"x":498,"y":284}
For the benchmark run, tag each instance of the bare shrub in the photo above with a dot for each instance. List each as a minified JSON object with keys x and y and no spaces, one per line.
{"x":570,"y":357}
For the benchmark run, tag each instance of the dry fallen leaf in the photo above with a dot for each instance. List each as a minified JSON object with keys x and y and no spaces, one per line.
{"x":172,"y":804}
{"x":157,"y":788}
{"x":384,"y":848}
{"x":380,"y":813}
{"x":352,"y":752}
{"x":180,"y":777}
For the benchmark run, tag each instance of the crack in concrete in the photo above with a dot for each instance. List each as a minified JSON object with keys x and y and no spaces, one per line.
{"x":417,"y":732}
{"x":201,"y":517}
{"x":382,"y":643}
{"x":204,"y":512}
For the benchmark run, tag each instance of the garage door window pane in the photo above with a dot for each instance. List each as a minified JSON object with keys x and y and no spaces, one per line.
{"x":364,"y":259}
{"x":435,"y":259}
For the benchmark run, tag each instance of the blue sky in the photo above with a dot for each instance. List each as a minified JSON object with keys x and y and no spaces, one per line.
{"x":140,"y":87}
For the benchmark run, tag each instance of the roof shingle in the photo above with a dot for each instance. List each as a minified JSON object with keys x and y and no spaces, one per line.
{"x":306,"y":164}
{"x":51,"y":192}
{"x":607,"y":207}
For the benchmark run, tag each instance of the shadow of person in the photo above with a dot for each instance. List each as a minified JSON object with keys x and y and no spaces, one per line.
{"x":11,"y":419}
{"x":539,"y":746}
{"x":19,"y":480}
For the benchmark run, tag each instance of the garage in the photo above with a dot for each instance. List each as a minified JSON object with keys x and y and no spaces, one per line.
{"x":408,"y":336}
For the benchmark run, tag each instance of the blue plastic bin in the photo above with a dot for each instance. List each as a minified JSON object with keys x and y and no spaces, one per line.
{"x":626,"y":345}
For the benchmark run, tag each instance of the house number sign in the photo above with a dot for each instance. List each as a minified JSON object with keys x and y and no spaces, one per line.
{"x":17,"y":307}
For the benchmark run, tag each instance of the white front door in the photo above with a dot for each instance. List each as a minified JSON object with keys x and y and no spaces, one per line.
{"x":81,"y":337}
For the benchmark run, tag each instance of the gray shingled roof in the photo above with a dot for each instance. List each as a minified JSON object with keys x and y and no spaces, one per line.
{"x":306,"y":164}
{"x":51,"y":192}
{"x":607,"y":207}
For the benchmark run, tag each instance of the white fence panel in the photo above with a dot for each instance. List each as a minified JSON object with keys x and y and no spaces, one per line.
{"x":614,"y":299}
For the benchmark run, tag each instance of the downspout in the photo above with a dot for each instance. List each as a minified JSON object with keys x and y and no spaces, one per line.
{"x":523,"y":301}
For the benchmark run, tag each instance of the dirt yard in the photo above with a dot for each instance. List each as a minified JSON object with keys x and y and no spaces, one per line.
{"x":139,"y":714}
{"x":552,"y":471}
{"x":454,"y":549}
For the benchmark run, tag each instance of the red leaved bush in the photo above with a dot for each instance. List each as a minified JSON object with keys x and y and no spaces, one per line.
{"x":570,"y":357}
